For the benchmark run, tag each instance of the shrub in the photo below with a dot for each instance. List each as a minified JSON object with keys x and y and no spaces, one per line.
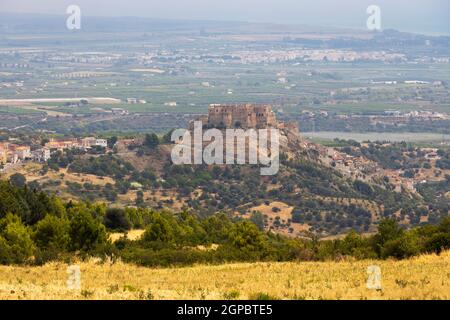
{"x":159,"y":230}
{"x":438,"y":242}
{"x":151,"y":140}
{"x":117,"y":219}
{"x":18,"y":180}
{"x":52,"y":232}
{"x":403,"y":247}
{"x":258,"y":219}
{"x":262,"y":296}
{"x":85,"y":232}
{"x":217,"y":228}
{"x":245,"y":236}
{"x":388,"y":230}
{"x":16,"y":245}
{"x":232,"y":295}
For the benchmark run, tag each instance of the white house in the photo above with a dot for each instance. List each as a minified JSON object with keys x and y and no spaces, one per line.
{"x":101,"y":143}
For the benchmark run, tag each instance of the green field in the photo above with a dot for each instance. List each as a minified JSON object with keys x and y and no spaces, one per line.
{"x":376,"y":136}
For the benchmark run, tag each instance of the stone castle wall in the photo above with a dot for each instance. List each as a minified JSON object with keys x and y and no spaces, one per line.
{"x":243,"y":115}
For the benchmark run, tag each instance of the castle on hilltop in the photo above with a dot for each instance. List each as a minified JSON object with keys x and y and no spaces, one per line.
{"x":241,"y":116}
{"x":244,"y":116}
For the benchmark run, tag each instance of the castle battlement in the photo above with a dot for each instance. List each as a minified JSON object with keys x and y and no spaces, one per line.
{"x":241,"y":116}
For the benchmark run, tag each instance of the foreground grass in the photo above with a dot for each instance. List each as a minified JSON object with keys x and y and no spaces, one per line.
{"x":424,"y":277}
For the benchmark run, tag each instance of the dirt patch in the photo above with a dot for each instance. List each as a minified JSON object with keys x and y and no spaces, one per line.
{"x":278,"y":218}
{"x":133,"y":235}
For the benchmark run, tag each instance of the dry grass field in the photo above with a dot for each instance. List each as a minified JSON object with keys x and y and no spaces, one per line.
{"x":284,"y":213}
{"x":32,"y":172}
{"x":131,"y":235}
{"x":424,"y":277}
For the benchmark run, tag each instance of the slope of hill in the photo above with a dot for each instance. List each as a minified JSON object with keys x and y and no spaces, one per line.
{"x":324,"y":198}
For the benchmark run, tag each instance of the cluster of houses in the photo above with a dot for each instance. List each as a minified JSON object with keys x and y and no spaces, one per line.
{"x":83,"y":143}
{"x":364,"y":169}
{"x":11,"y":153}
{"x":416,"y":114}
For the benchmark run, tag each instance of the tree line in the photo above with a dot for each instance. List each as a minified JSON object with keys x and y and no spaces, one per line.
{"x":36,"y":228}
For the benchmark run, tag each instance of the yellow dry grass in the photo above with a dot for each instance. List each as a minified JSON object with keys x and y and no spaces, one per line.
{"x":285,"y":214}
{"x":423,"y":277}
{"x":32,"y":172}
{"x":131,"y":235}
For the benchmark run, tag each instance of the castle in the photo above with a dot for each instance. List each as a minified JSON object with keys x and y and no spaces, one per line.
{"x":245,"y":116}
{"x":241,"y":116}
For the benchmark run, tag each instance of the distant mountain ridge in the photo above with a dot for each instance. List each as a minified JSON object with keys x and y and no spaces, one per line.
{"x":27,"y":22}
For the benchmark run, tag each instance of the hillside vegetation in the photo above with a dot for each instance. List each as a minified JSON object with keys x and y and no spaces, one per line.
{"x":324,"y":201}
{"x":36,"y":228}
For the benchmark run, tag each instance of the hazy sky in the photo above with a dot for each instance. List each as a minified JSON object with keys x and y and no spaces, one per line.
{"x":428,"y":16}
